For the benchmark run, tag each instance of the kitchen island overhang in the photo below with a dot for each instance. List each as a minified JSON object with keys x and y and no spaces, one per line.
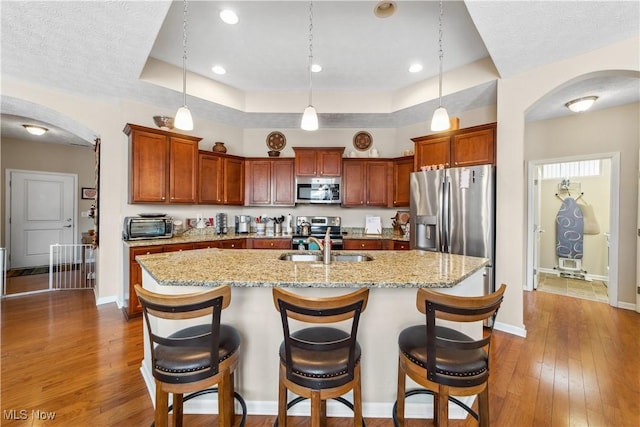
{"x":393,"y":277}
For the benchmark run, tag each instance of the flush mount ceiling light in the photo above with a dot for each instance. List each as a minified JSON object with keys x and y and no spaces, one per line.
{"x":35,"y":130}
{"x":310,"y":117}
{"x":229,"y":17}
{"x":183,"y":119}
{"x":415,"y":68}
{"x":384,"y":9}
{"x":440,"y":119}
{"x":218,"y":69}
{"x":581,"y":104}
{"x":316,"y":68}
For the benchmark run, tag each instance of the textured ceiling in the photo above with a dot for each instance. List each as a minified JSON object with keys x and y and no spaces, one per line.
{"x":100,"y":48}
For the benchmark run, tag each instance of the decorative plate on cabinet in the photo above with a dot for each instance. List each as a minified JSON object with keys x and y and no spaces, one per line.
{"x":276,"y":141}
{"x":362,"y":140}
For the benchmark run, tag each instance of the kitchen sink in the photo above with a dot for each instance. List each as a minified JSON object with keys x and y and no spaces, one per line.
{"x":350,"y":257}
{"x":310,"y":257}
{"x":300,"y":257}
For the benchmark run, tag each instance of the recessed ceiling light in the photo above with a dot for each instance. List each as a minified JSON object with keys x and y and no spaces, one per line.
{"x":415,"y":68}
{"x":581,"y":104}
{"x":218,"y":69}
{"x":316,"y":68}
{"x":229,"y":17}
{"x":35,"y":130}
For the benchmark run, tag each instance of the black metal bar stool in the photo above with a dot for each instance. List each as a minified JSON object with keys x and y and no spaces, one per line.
{"x":319,"y":362}
{"x":444,"y":361}
{"x":194,"y":358}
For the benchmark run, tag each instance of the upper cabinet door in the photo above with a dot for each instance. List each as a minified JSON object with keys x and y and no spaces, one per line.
{"x":283,"y":182}
{"x":473,"y":148}
{"x":183,"y":164}
{"x":148,"y":181}
{"x":435,"y":151}
{"x":330,"y":162}
{"x":233,"y":181}
{"x":306,"y":163}
{"x":210,"y":179}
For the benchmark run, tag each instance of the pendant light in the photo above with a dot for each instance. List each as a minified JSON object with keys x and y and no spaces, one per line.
{"x":183,"y":118}
{"x":440,"y":120}
{"x":310,"y":117}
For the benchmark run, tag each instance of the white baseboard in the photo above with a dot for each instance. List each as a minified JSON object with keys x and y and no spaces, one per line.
{"x":588,"y":277}
{"x":513,"y":330}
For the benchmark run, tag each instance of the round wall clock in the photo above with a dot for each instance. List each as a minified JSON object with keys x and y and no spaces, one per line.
{"x":362,"y":140}
{"x":276,"y":141}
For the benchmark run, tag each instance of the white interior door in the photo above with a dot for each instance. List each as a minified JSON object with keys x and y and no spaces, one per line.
{"x":42,"y":212}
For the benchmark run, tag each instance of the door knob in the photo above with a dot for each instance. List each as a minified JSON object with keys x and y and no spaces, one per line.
{"x":67,"y":226}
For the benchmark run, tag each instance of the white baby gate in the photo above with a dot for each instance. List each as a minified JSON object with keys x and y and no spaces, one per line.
{"x":71,"y":266}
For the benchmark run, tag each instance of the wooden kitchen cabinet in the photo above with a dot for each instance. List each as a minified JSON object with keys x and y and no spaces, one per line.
{"x":266,"y":243}
{"x":402,"y":168}
{"x":366,"y":244}
{"x":222,"y":244}
{"x":220,"y":179}
{"x":318,"y":162}
{"x":457,"y":148}
{"x":231,"y":244}
{"x":177,"y":247}
{"x":366,"y":182}
{"x":269,"y":182}
{"x":163,"y":166}
{"x":133,"y":276}
{"x":396,"y":245}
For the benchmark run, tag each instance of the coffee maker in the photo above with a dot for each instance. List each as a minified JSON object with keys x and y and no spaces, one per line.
{"x":243,"y":223}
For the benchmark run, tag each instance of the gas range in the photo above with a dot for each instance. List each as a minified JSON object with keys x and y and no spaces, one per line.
{"x":318,"y":228}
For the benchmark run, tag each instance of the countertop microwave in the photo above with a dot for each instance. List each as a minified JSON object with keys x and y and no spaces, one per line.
{"x":318,"y":190}
{"x":147,"y":227}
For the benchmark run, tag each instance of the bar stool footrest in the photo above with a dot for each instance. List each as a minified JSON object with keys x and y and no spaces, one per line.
{"x":415,"y":391}
{"x":299,"y":399}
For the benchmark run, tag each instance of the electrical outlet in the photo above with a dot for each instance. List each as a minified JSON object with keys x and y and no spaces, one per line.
{"x":84,"y":214}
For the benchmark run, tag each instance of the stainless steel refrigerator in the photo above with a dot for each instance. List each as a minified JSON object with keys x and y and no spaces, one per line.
{"x":453,"y":210}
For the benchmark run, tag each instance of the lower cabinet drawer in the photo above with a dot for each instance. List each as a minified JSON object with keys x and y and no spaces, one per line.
{"x":368,"y":244}
{"x":271,"y":243}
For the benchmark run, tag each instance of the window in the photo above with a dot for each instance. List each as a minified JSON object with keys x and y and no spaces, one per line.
{"x":571,"y":169}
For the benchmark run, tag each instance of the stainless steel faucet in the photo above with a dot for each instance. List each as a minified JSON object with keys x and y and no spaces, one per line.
{"x":324,"y":247}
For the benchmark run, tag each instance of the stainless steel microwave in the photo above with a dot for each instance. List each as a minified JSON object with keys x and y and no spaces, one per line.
{"x":318,"y":190}
{"x":147,"y":227}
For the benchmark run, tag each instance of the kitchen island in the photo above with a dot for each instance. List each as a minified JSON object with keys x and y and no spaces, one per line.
{"x":393,"y":277}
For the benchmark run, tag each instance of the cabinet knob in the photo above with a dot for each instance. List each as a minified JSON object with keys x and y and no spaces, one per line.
{"x":362,"y":245}
{"x":271,"y":244}
{"x":233,"y":245}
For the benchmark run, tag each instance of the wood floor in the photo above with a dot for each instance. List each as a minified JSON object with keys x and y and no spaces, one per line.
{"x":63,"y":356}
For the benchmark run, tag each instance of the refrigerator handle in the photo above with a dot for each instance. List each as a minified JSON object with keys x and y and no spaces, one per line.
{"x":447,"y":214}
{"x":444,"y":215}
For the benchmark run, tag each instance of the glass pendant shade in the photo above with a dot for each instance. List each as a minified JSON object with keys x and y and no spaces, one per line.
{"x":309,"y":119}
{"x":440,"y":120}
{"x":183,"y":119}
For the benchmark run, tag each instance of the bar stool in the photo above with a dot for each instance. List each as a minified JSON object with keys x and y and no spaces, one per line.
{"x":194,"y":358}
{"x":319,"y":362}
{"x":445,"y":361}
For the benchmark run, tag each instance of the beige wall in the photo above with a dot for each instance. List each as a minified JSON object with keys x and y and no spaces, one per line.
{"x":40,"y":156}
{"x":595,"y":190}
{"x":515,"y":95}
{"x":107,"y":117}
{"x":592,"y":133}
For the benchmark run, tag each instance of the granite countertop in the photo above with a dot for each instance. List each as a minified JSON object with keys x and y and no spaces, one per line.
{"x":207,"y":235}
{"x":388,"y":269}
